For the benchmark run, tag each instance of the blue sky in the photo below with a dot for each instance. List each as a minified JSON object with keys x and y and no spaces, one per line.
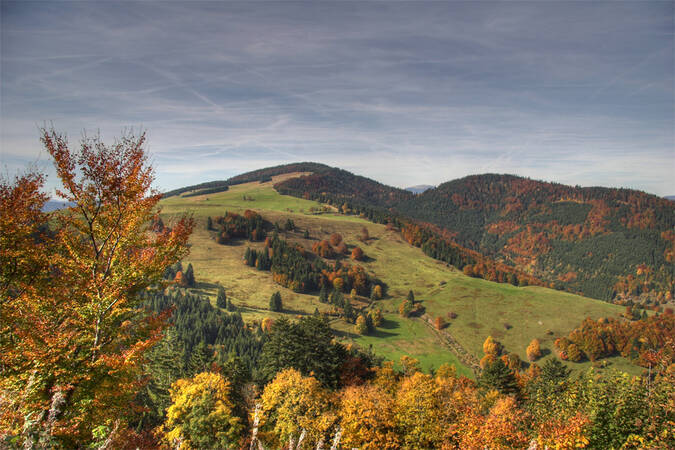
{"x":403,"y":92}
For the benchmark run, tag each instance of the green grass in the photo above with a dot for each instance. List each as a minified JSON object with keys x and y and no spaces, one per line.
{"x":483,"y":308}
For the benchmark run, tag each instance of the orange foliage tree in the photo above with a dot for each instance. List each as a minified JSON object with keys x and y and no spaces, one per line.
{"x":72,"y":335}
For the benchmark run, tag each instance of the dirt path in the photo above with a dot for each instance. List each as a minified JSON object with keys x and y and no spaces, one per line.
{"x":455,"y":347}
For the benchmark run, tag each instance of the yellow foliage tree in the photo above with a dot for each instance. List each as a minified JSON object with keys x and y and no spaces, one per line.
{"x":534,"y":350}
{"x":367,"y":418}
{"x":292,"y":403}
{"x":420,"y":414}
{"x":491,"y":347}
{"x":201,"y":414}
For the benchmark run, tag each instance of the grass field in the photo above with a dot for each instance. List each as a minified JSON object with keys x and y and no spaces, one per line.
{"x":512,"y":315}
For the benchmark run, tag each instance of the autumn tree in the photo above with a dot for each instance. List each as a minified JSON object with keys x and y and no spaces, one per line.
{"x":293,"y":404}
{"x":377,"y":292}
{"x":335,"y":239}
{"x":71,"y":328}
{"x":202,"y":414}
{"x":492,"y":347}
{"x":533,"y":350}
{"x":361,"y":327}
{"x":367,"y":418}
{"x":357,"y":254}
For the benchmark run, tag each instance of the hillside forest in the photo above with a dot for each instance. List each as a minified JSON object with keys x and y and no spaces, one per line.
{"x":109,"y":341}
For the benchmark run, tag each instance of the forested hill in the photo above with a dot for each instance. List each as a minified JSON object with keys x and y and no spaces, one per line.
{"x":604,"y":243}
{"x":601,"y":242}
{"x":339,"y":187}
{"x":261,"y":175}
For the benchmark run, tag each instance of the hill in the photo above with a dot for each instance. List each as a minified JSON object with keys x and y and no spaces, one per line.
{"x":514,"y":315}
{"x":604,"y":243}
{"x":610,"y":244}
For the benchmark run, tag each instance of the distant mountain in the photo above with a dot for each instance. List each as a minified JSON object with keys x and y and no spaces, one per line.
{"x":419,"y":188}
{"x":670,"y":197}
{"x":53,"y":205}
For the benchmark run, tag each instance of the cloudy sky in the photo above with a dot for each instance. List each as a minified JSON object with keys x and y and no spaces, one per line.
{"x":405,"y":93}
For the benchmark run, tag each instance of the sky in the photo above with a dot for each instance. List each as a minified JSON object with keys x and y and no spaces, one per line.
{"x":405,"y":93}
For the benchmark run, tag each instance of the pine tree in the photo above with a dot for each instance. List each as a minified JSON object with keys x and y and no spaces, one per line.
{"x":275,"y":302}
{"x":553,"y":371}
{"x":199,"y":359}
{"x":221,"y":300}
{"x":189,"y":276}
{"x":306,"y":234}
{"x":411,"y":297}
{"x":323,"y":295}
{"x":209,"y":223}
{"x":499,"y":377}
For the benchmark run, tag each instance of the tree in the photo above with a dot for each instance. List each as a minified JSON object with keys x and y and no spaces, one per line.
{"x":189,"y":276}
{"x":554,"y":372}
{"x":377,"y":292}
{"x":73,"y":328}
{"x":335,"y":239}
{"x":200,"y":359}
{"x":498,"y":377}
{"x":573,"y":353}
{"x":439,"y":323}
{"x":292,"y":404}
{"x":492,"y":347}
{"x":221,"y":300}
{"x":367,"y":418}
{"x":202,"y":414}
{"x":361,"y":327}
{"x":275,"y":302}
{"x":306,"y":345}
{"x":533,"y":350}
{"x":411,"y":297}
{"x":376,"y":316}
{"x":323,"y":295}
{"x":357,"y":254}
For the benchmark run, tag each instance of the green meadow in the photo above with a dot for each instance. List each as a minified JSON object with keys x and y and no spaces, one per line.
{"x":512,"y":315}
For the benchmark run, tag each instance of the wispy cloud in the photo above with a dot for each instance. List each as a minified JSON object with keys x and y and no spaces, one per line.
{"x":407,"y":93}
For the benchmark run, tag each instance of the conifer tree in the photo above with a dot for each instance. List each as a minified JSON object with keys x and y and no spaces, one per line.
{"x":221,"y":300}
{"x":189,"y":276}
{"x":199,"y":359}
{"x":499,"y":377}
{"x":275,"y":302}
{"x":323,"y":295}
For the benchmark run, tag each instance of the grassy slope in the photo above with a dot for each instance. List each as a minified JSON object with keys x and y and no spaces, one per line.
{"x":482,"y":307}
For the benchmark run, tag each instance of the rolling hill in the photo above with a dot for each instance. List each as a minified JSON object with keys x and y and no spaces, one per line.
{"x":514,"y":315}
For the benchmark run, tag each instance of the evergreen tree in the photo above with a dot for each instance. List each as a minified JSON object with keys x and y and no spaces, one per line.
{"x":306,"y":345}
{"x":230,"y":306}
{"x":209,"y":223}
{"x":189,"y":276}
{"x":497,"y":376}
{"x":306,"y":234}
{"x":199,"y":359}
{"x":323,"y":295}
{"x":411,"y":297}
{"x":554,"y":372}
{"x":221,"y":300}
{"x":348,"y":311}
{"x":275,"y":302}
